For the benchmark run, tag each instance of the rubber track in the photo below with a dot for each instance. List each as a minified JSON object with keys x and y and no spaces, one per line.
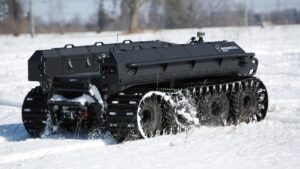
{"x":122,"y":108}
{"x":121,"y":115}
{"x":34,"y":112}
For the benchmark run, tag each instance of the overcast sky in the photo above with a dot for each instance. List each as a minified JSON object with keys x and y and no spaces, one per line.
{"x":65,"y":10}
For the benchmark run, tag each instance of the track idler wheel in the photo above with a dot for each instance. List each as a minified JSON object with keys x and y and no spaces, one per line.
{"x":150,"y":116}
{"x":35,"y":112}
{"x":214,"y":109}
{"x":250,"y":102}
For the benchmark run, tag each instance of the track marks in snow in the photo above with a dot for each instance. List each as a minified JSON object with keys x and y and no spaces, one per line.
{"x":13,"y":132}
{"x":49,"y":151}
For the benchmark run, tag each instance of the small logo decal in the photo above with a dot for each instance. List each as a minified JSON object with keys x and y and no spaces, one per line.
{"x":228,"y":48}
{"x":225,"y":48}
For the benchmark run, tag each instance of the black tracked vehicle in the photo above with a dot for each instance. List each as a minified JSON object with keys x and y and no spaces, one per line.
{"x":142,"y":89}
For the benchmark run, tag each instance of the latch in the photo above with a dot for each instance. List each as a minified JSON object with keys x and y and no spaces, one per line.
{"x":70,"y":64}
{"x":88,"y":62}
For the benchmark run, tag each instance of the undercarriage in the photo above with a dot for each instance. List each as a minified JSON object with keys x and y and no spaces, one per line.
{"x":147,"y":111}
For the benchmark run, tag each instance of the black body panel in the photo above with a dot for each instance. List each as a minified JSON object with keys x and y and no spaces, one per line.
{"x":122,"y":65}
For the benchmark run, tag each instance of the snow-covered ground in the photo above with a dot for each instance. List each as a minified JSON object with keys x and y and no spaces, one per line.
{"x":272,"y":143}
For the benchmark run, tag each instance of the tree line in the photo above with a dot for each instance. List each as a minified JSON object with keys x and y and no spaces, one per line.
{"x":136,"y":15}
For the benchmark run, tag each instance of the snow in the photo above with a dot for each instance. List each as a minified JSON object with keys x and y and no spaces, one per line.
{"x":95,"y":92}
{"x":83,"y":99}
{"x":273,"y":143}
{"x":187,"y":109}
{"x":183,"y":107}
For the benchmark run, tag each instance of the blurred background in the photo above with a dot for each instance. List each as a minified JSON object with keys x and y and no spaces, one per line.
{"x":270,"y":28}
{"x":62,"y":16}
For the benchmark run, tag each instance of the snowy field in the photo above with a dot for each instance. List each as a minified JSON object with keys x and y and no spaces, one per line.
{"x":272,"y":143}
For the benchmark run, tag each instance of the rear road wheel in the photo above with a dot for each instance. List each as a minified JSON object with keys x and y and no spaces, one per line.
{"x":213,"y":109}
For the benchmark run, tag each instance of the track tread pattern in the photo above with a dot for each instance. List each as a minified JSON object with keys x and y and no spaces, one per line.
{"x":122,"y":126}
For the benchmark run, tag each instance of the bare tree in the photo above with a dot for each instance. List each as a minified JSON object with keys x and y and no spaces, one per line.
{"x":213,"y":6}
{"x":55,"y":10}
{"x":103,"y":18}
{"x":196,"y":15}
{"x":3,"y":9}
{"x":13,"y":17}
{"x":153,"y":16}
{"x":175,"y":13}
{"x":130,"y":13}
